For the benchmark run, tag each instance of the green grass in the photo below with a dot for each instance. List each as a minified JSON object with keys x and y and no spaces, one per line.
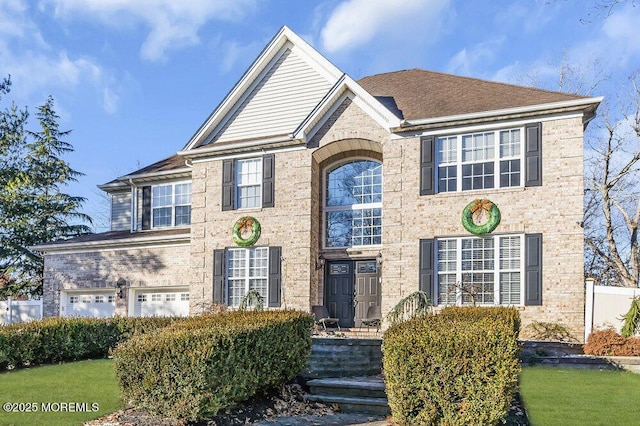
{"x":75,"y":382}
{"x":563,"y":396}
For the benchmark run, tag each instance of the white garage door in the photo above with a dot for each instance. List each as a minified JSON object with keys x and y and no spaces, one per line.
{"x":90,"y":304}
{"x":162,"y":304}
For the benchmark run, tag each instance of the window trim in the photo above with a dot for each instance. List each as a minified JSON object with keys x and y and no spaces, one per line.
{"x":173,"y":206}
{"x":237,"y":186}
{"x":327,"y":209}
{"x":496,"y":270}
{"x":496,"y":160}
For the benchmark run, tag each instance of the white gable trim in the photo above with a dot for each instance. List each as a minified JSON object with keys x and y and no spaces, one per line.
{"x":284,"y":39}
{"x":344,"y":88}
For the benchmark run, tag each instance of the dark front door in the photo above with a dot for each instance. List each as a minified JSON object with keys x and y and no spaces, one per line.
{"x":339,"y":291}
{"x":367,"y":288}
{"x":352,"y":286}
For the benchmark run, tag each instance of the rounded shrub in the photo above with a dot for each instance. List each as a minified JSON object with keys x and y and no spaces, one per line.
{"x":457,"y":368}
{"x":194,"y":368}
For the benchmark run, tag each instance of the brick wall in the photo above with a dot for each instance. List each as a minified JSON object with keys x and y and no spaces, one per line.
{"x":553,"y":209}
{"x":151,"y":266}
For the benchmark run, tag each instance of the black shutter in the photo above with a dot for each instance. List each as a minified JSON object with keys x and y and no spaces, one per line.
{"x":533,"y":155}
{"x":533,"y":269}
{"x":268,"y":174}
{"x":228,"y":185}
{"x":146,"y":207}
{"x":427,"y":167}
{"x":219,"y":268}
{"x":426,"y":268}
{"x":275,"y":276}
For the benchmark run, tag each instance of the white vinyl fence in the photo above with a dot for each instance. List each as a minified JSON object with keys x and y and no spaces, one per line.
{"x":605,"y":306}
{"x":13,"y":311}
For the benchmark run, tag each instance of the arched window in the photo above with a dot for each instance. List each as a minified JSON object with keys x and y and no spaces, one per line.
{"x":353,"y":204}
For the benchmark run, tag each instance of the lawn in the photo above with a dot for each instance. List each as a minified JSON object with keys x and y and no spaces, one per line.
{"x":64,"y":394}
{"x":563,"y":396}
{"x":551,"y":395}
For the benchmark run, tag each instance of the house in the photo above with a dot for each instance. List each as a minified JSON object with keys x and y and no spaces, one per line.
{"x":313,"y":188}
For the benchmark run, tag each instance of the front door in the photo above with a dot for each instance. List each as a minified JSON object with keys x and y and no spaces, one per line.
{"x":351,"y":287}
{"x":339,"y":291}
{"x":367,"y":288}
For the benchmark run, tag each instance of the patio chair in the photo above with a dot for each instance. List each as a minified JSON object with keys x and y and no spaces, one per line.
{"x":374,"y":318}
{"x":321,"y":314}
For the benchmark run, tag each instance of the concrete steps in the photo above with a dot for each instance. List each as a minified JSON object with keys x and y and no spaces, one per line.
{"x":352,"y":394}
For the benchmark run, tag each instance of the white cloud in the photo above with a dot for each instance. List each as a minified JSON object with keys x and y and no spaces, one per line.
{"x":172,"y":24}
{"x":356,"y":22}
{"x":38,"y":68}
{"x":109,"y":100}
{"x":235,"y":52}
{"x":465,"y":61}
{"x":621,"y":31}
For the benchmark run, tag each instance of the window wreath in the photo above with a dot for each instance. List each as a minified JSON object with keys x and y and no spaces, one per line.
{"x":246,"y":231}
{"x":478,"y":208}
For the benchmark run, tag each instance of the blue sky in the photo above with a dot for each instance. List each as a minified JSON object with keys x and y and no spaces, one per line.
{"x":134,"y":79}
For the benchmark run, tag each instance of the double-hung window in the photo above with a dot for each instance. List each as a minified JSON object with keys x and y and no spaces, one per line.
{"x":249,"y":183}
{"x":171,"y":204}
{"x":480,"y":271}
{"x":247,"y":269}
{"x":353,"y":204}
{"x":482,"y":160}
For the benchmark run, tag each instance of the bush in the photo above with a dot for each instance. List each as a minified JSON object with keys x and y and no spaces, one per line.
{"x":457,"y":368}
{"x":632,"y":319}
{"x":508,"y":316}
{"x":54,"y":340}
{"x":548,"y":332}
{"x":193,"y":369}
{"x":608,"y":342}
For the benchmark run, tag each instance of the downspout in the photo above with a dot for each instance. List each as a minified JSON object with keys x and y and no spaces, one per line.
{"x":134,"y":205}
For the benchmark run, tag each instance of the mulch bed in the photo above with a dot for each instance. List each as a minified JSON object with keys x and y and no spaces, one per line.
{"x":289,"y":402}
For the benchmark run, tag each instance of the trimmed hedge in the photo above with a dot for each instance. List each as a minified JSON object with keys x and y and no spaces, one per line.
{"x":457,"y":368}
{"x":193,"y":369}
{"x":55,"y":339}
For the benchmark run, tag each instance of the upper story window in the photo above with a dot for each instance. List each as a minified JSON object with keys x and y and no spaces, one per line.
{"x":171,"y":204}
{"x":353,"y":204}
{"x":483,"y":160}
{"x":249,"y":183}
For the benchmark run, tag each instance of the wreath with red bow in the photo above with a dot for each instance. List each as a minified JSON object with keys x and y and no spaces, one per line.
{"x":480,"y":207}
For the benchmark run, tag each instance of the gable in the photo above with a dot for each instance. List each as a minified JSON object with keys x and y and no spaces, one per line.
{"x":285,"y":94}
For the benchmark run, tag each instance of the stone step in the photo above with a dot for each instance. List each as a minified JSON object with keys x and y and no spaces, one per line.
{"x":370,"y":386}
{"x":340,"y":357}
{"x":354,"y":404}
{"x":352,"y":394}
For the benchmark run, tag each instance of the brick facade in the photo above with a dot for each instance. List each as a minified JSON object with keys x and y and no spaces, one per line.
{"x":143,"y":267}
{"x":295,"y":223}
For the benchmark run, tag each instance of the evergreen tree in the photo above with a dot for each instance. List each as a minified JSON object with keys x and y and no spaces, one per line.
{"x":33,"y":207}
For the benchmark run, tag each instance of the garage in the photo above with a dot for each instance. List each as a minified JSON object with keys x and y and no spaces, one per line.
{"x":161,"y":303}
{"x":93,"y":304}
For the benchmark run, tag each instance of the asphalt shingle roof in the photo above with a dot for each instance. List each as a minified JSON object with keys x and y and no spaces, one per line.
{"x":420,"y":94}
